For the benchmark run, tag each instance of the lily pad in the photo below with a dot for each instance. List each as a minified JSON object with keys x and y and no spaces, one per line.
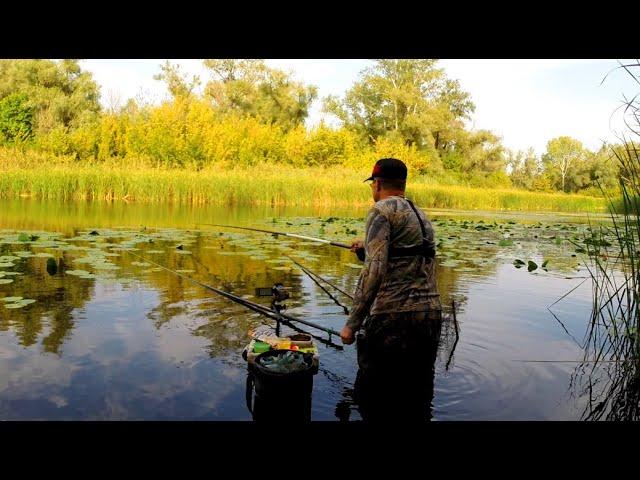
{"x":531,"y":266}
{"x":450,"y":263}
{"x":77,"y":272}
{"x":6,"y":265}
{"x":11,"y":299}
{"x":84,"y":260}
{"x":105,"y":266}
{"x":20,"y":303}
{"x":5,"y":281}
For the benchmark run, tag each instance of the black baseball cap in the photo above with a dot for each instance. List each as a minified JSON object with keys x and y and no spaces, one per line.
{"x":390,"y":168}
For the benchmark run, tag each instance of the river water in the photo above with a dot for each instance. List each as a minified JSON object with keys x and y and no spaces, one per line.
{"x":120,"y":338}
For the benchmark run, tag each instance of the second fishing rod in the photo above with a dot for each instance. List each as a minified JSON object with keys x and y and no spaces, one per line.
{"x":359,"y":252}
{"x":251,"y":305}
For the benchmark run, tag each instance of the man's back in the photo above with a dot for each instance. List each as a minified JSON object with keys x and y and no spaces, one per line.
{"x":392,"y":283}
{"x":398,"y":297}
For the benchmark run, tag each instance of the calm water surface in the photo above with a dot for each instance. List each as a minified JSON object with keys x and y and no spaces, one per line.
{"x":126,"y":340}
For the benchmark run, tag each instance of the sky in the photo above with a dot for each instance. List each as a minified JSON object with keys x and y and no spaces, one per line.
{"x":525,"y":102}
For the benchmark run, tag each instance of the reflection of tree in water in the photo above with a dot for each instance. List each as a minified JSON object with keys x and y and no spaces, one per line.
{"x":227,"y":323}
{"x":57,"y":296}
{"x":240,"y":274}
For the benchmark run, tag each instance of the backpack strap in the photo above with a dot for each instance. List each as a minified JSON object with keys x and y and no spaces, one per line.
{"x":417,"y":250}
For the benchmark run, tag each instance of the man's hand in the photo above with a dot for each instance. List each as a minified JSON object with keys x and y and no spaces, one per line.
{"x":357,"y":245}
{"x":347,"y":335}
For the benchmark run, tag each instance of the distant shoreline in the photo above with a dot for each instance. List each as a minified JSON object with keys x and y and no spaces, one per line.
{"x":266,"y":185}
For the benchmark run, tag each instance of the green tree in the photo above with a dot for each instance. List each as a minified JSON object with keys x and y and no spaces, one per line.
{"x":603,"y":171}
{"x":16,"y":118}
{"x":249,"y":87}
{"x":177,"y":83}
{"x":564,"y":163}
{"x":476,"y":153}
{"x":525,"y":168}
{"x":410,"y":100}
{"x":60,"y":94}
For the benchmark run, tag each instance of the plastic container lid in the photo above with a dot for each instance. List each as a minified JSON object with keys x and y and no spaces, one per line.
{"x":261,"y":347}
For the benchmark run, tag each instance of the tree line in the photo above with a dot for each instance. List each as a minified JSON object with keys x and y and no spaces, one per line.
{"x":248,"y":113}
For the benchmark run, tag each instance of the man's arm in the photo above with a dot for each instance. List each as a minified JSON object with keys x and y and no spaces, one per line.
{"x":375,"y":266}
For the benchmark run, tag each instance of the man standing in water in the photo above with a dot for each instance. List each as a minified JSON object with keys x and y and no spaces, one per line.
{"x":398,"y":297}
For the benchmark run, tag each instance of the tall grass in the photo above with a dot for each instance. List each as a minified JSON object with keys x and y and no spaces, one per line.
{"x":612,"y":347}
{"x":262,"y":185}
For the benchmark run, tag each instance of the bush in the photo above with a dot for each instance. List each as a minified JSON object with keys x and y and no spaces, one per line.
{"x":16,"y":119}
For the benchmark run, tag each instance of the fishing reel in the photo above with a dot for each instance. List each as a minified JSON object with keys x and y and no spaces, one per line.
{"x":278,"y":293}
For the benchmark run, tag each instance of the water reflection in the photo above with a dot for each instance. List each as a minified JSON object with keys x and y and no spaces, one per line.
{"x":394,"y":383}
{"x":57,"y":296}
{"x":136,"y":342}
{"x":609,"y":375}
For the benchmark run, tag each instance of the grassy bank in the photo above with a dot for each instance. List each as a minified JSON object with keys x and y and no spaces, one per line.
{"x":264,"y":185}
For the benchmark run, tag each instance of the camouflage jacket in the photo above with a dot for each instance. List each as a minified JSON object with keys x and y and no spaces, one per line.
{"x":403,"y":284}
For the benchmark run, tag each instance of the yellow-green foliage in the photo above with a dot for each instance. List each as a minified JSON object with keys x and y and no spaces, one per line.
{"x":189,"y":132}
{"x":184,"y":151}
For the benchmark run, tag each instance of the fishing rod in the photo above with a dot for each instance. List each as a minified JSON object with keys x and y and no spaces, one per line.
{"x":251,"y":305}
{"x":280,"y":319}
{"x":308,"y":272}
{"x":329,"y":343}
{"x":294,"y":235}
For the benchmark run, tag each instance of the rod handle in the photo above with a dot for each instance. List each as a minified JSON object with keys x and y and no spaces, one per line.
{"x":359,"y":252}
